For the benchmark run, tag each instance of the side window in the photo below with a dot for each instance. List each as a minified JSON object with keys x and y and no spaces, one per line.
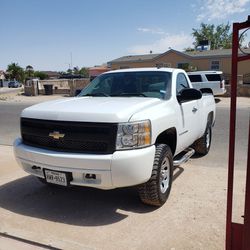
{"x":195,"y":78}
{"x":181,"y":83}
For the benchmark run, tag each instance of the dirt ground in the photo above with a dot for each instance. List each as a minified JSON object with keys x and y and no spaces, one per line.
{"x":83,"y":218}
{"x":20,"y":97}
{"x":193,"y":217}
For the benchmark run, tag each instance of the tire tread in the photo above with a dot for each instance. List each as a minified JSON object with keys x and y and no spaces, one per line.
{"x":149,"y":191}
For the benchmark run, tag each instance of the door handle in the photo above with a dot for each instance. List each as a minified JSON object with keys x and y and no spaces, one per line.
{"x":194,"y":110}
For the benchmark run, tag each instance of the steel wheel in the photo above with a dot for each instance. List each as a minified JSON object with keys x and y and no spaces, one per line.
{"x":208,"y":137}
{"x":165,"y":175}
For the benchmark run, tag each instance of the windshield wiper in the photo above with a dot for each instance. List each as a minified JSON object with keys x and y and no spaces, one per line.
{"x":97,"y":94}
{"x":132,"y":94}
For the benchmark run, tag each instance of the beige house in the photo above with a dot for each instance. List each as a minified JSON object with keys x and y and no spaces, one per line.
{"x":190,"y":61}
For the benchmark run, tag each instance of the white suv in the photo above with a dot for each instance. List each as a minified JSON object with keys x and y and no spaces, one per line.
{"x":208,"y":79}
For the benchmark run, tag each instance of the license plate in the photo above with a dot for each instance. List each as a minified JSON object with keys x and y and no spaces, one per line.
{"x":55,"y":177}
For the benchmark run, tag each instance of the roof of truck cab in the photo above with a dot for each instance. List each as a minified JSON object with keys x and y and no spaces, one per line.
{"x":204,"y":72}
{"x":170,"y":70}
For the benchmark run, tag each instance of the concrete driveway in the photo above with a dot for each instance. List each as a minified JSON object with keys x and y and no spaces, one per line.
{"x":84,"y":218}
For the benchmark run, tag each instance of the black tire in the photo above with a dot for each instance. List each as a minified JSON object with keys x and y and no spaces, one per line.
{"x":202,"y":145}
{"x":153,"y":192}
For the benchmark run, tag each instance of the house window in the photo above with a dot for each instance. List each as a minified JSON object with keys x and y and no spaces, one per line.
{"x":182,"y":65}
{"x":215,"y":65}
{"x":167,"y":65}
{"x":163,"y":65}
{"x":124,"y":67}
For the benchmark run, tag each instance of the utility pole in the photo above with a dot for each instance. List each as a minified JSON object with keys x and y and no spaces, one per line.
{"x":71,"y":60}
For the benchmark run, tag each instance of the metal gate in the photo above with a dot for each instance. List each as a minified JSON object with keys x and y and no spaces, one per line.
{"x":237,"y":235}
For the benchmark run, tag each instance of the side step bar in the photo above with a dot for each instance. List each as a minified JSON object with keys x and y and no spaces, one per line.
{"x":183,"y":156}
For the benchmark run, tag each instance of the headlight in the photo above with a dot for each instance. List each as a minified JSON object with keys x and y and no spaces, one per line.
{"x":133,"y":135}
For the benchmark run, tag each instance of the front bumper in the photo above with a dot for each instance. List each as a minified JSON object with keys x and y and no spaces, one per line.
{"x":120,"y":169}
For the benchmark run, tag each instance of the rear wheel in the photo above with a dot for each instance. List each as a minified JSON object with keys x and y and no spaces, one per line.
{"x":202,"y":145}
{"x":156,"y":190}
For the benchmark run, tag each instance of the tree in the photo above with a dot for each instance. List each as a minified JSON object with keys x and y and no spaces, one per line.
{"x":219,"y":36}
{"x":76,"y":70}
{"x":189,"y":49}
{"x":29,"y":70}
{"x":69,"y":71}
{"x":40,"y":75}
{"x":15,"y":72}
{"x":84,"y":72}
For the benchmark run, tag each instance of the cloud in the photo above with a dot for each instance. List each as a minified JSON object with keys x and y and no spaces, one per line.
{"x":157,"y":31}
{"x":220,"y":9}
{"x":174,"y":41}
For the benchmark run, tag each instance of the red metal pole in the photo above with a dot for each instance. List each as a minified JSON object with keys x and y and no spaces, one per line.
{"x":246,"y":228}
{"x":232,"y":136}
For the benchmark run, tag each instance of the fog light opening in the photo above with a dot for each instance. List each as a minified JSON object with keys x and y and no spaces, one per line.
{"x":90,"y":176}
{"x":36,"y":168}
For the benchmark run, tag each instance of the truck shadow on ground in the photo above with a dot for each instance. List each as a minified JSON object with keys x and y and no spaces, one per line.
{"x":75,"y":206}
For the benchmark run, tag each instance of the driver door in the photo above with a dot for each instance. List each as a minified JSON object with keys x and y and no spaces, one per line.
{"x":189,"y":118}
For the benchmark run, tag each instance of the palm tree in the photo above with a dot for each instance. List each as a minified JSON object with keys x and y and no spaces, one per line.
{"x":29,"y":70}
{"x":15,"y":72}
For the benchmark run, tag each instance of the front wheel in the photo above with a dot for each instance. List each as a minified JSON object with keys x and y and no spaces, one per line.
{"x":156,"y":190}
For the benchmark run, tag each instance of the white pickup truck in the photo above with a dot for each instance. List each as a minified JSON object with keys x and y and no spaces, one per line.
{"x":126,"y":128}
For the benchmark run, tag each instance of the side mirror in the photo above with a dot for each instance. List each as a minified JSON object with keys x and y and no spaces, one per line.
{"x":189,"y":95}
{"x":206,"y":90}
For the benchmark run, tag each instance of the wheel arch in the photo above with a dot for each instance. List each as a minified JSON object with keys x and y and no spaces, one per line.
{"x":210,"y":118}
{"x":168,"y":137}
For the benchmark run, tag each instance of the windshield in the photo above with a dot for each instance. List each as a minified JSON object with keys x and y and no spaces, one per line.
{"x":145,"y":84}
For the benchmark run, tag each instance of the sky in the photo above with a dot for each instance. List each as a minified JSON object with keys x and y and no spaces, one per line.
{"x":48,"y":33}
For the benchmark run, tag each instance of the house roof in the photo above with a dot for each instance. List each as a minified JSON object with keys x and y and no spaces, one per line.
{"x":212,"y":53}
{"x":191,"y":54}
{"x":133,"y":58}
{"x":99,"y":68}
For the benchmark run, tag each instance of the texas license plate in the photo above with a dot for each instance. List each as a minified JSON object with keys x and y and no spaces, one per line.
{"x":55,"y":177}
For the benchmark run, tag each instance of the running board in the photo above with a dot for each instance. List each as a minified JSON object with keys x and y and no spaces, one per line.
{"x":183,"y":156}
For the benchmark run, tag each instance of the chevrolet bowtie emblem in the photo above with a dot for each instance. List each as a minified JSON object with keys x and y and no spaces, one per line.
{"x":56,"y":135}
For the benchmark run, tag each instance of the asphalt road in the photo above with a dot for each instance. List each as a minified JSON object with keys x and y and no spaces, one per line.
{"x":9,"y":130}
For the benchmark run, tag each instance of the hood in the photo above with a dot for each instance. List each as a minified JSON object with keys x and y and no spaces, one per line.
{"x":90,"y":109}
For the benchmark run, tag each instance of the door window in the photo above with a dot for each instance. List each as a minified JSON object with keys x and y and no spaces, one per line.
{"x":181,"y":83}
